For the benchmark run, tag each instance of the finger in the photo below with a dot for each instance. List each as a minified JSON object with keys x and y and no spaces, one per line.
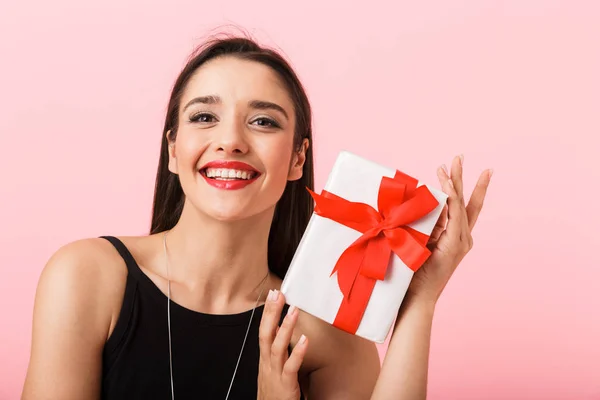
{"x":455,"y":213}
{"x":443,"y":218}
{"x":440,"y":225}
{"x":477,"y":197}
{"x":457,"y":180}
{"x":269,"y":323}
{"x":279,"y":349}
{"x":294,"y":362}
{"x":443,"y":174}
{"x":456,"y":174}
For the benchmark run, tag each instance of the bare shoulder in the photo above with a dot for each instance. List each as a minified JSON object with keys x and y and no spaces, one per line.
{"x":79,"y":289}
{"x":87,"y":273}
{"x":81,"y":257}
{"x":337,"y":364}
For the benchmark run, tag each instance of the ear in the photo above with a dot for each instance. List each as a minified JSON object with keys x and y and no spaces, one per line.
{"x":172,"y":154}
{"x":298,"y":160}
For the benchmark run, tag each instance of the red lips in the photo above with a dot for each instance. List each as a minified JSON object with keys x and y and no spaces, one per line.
{"x":242,"y":166}
{"x":232,"y":184}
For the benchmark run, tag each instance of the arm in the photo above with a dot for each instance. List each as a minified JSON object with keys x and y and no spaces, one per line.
{"x":404,"y":372}
{"x":70,"y":325}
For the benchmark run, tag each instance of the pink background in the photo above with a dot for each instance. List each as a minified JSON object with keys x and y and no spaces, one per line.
{"x":514,"y":85}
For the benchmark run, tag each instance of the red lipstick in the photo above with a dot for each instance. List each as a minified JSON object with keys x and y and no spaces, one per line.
{"x":232,"y":183}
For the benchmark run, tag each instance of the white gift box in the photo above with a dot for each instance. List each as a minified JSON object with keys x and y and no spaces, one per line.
{"x":309,"y":283}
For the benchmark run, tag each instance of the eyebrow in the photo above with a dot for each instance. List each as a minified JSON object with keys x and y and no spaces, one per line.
{"x":267,"y":105}
{"x":257,"y":104}
{"x":202,"y":100}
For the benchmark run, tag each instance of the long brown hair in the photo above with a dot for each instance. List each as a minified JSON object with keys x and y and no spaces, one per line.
{"x":295,"y":206}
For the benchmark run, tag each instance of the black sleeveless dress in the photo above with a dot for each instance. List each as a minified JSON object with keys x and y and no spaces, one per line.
{"x":205,"y":347}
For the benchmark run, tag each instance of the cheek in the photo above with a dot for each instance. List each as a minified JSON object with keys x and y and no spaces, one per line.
{"x":189,"y":148}
{"x":278,"y":158}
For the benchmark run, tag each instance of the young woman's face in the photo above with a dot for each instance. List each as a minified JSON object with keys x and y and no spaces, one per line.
{"x":234,"y":148}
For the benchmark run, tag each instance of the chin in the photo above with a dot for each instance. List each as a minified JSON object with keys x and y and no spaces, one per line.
{"x":235,"y":205}
{"x":227,"y":215}
{"x":236,"y":212}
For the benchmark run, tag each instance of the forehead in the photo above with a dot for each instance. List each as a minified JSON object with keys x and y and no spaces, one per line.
{"x":234,"y":79}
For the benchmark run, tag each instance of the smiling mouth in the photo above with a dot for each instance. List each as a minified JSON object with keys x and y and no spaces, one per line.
{"x":228,"y":174}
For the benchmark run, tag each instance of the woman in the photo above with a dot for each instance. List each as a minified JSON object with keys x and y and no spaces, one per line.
{"x":193,"y":309}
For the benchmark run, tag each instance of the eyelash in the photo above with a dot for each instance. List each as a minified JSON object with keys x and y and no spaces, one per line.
{"x":197,"y":116}
{"x":272,"y":123}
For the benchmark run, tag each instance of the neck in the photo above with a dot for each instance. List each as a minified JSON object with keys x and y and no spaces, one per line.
{"x":224,"y":262}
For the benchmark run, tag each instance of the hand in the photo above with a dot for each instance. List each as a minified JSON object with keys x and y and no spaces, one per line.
{"x":278,"y":373}
{"x":451,"y":238}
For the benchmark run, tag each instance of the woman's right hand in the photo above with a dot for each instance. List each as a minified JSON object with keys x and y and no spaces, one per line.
{"x":278,"y":373}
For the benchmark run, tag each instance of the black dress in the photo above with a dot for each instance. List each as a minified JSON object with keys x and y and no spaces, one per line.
{"x":205,"y":347}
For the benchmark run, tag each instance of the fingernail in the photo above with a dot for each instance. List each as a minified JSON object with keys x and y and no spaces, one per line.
{"x":275,"y":294}
{"x":302,"y":339}
{"x":491,"y":171}
{"x":451,"y":183}
{"x":462,"y":158}
{"x":291,"y":310}
{"x":270,"y":296}
{"x":443,"y":166}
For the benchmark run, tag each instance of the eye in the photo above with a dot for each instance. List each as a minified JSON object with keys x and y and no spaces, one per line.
{"x":266,"y":122}
{"x":202,"y":117}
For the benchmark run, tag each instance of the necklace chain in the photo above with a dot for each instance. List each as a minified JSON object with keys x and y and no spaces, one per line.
{"x":169,"y":323}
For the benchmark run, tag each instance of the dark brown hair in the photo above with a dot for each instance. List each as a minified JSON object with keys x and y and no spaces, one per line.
{"x":295,"y":206}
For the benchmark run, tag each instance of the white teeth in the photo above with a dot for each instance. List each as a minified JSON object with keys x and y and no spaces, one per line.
{"x":224,"y":173}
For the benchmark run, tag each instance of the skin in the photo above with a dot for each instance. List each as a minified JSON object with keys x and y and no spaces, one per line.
{"x":216,"y":265}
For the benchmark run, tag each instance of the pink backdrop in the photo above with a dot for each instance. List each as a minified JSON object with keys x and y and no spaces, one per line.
{"x":514,"y":85}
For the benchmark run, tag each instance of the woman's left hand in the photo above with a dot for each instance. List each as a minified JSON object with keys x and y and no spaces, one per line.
{"x":451,"y":238}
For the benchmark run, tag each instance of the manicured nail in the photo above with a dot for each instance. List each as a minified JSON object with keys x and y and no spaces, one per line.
{"x":462,"y":158}
{"x":443,"y":166}
{"x":291,"y":310}
{"x":490,"y":172}
{"x":270,"y":296}
{"x":302,"y":339}
{"x":275,"y":294}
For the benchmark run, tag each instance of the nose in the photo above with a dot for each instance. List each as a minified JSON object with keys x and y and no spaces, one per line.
{"x":231,"y":139}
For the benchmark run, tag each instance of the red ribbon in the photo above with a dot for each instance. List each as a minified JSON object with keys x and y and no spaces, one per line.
{"x":400,"y":202}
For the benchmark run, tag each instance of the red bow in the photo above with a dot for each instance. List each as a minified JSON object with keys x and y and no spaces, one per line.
{"x":400,"y":202}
